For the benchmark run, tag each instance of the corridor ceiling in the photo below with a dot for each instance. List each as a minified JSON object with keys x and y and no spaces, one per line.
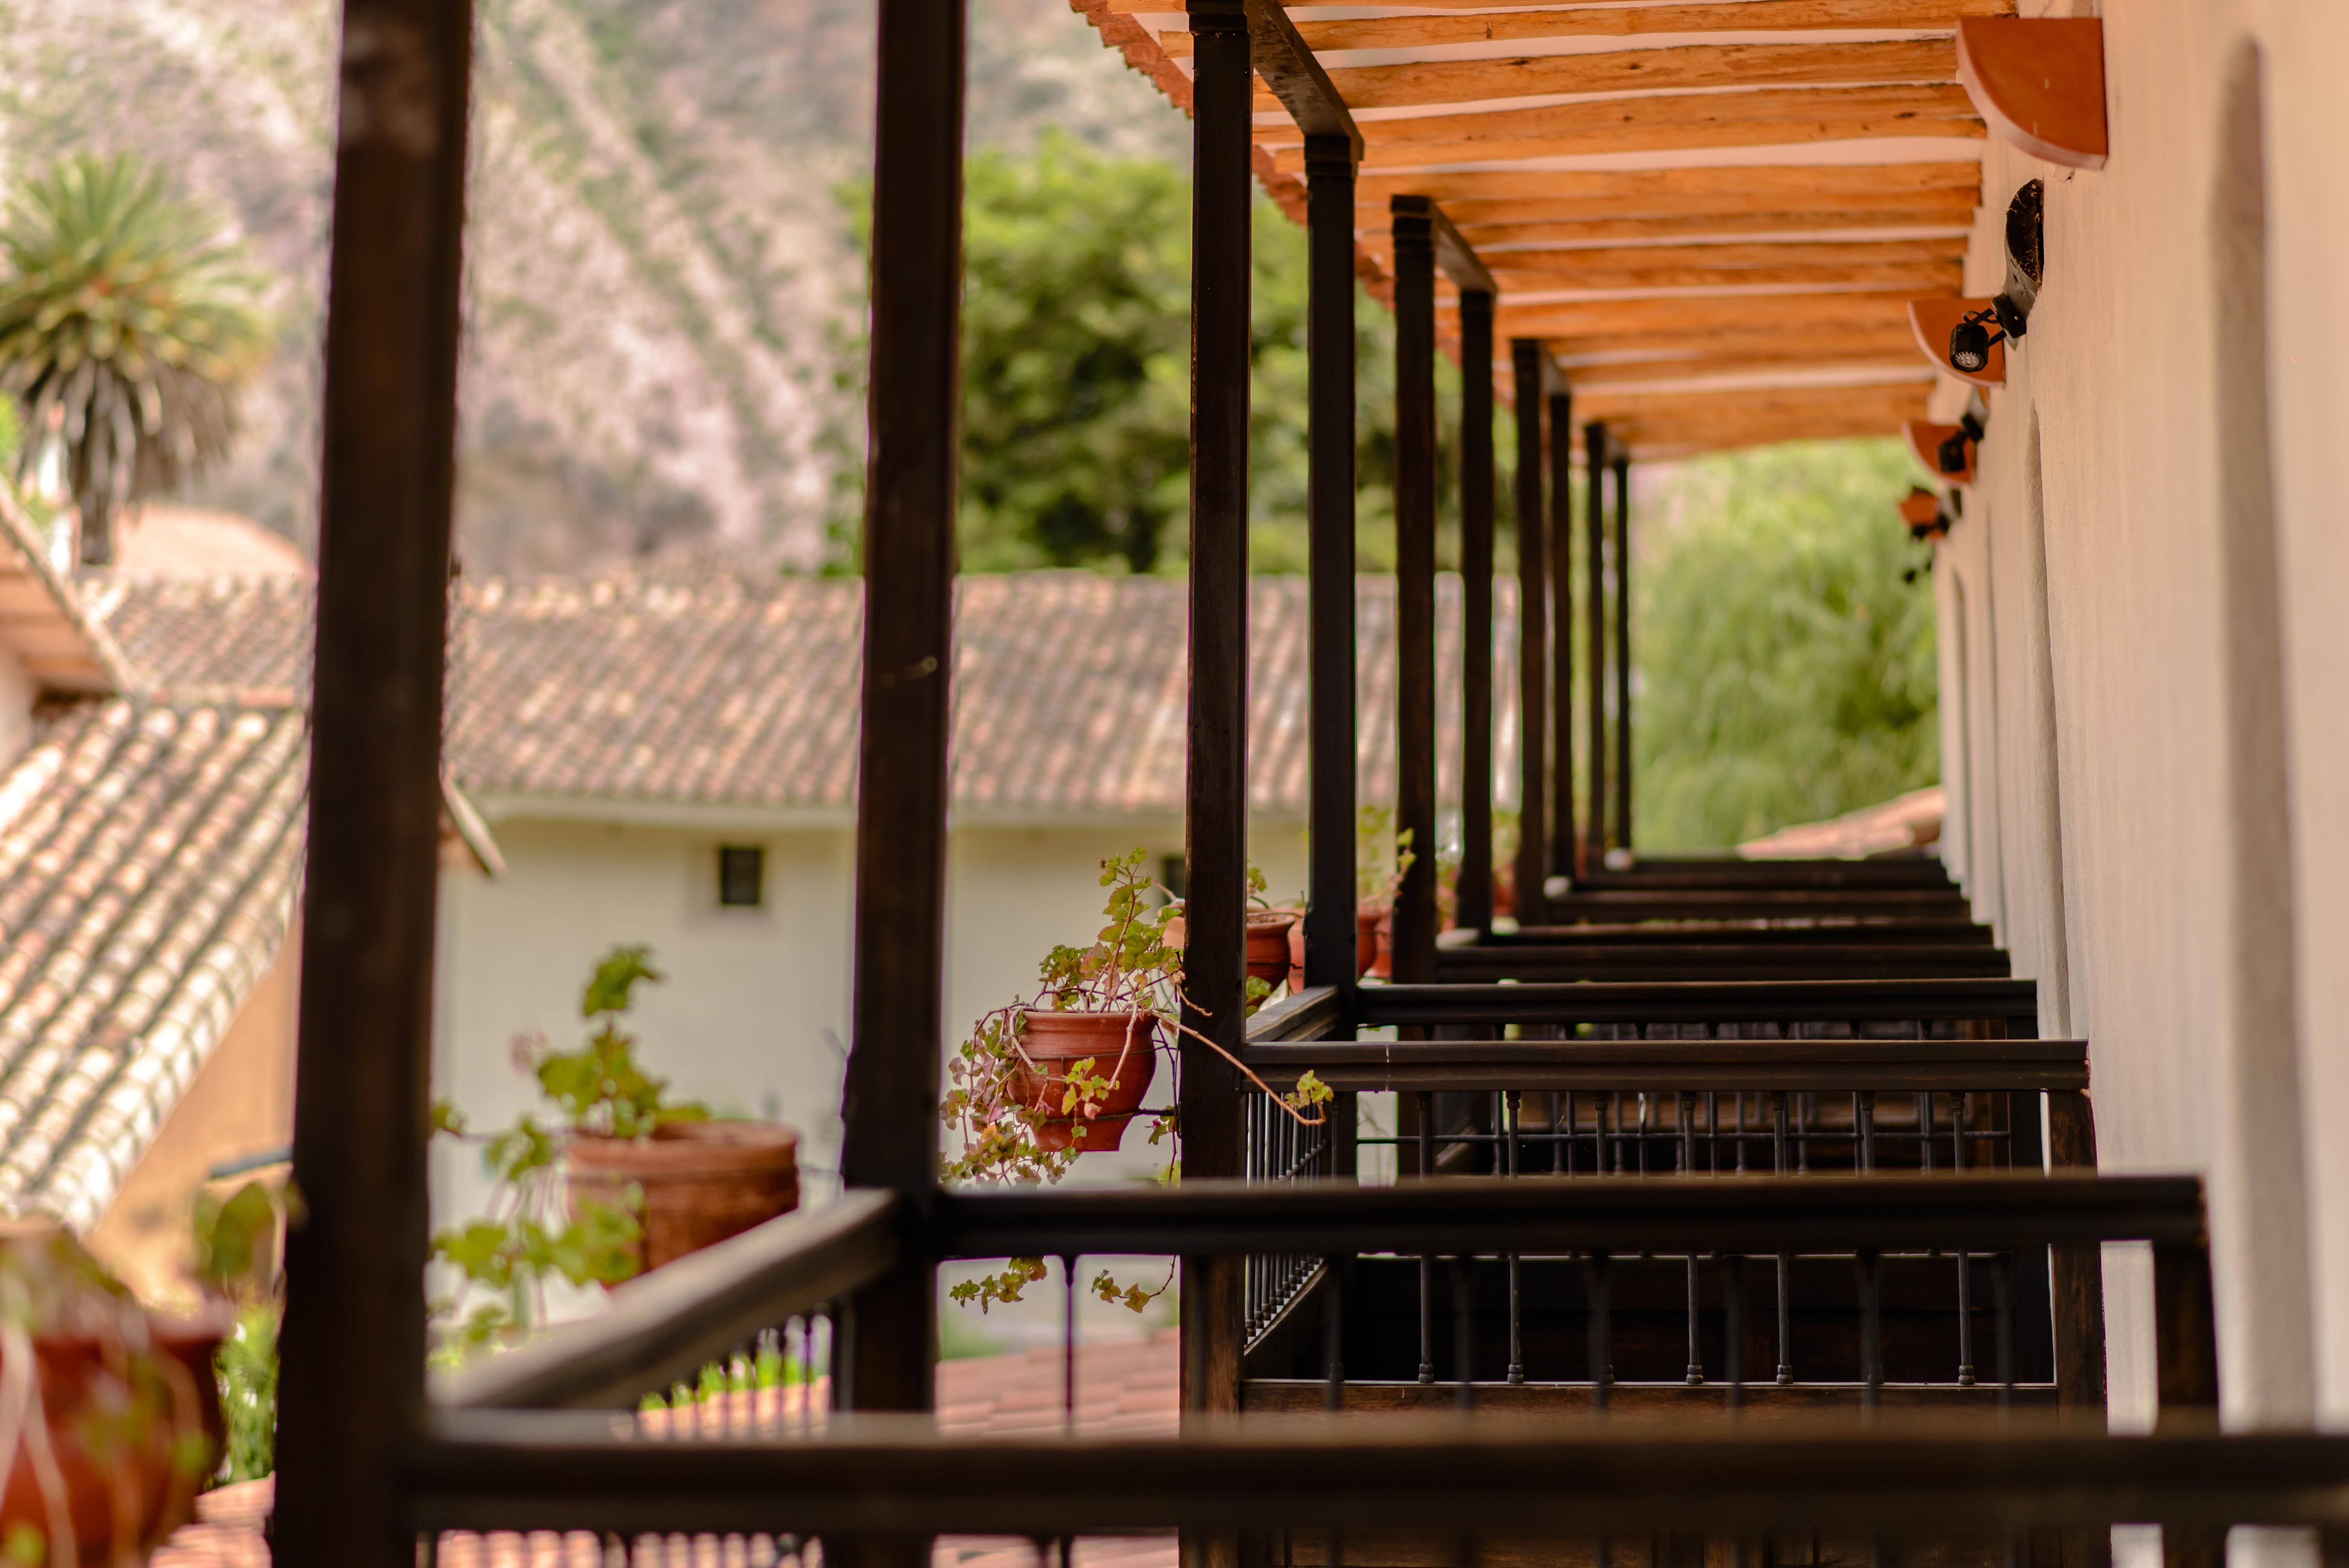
{"x":1714,"y":214}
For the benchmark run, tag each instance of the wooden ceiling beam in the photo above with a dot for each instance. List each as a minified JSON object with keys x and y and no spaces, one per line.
{"x":1651,"y":371}
{"x":1612,"y":404}
{"x":1583,"y":319}
{"x":1382,"y":158}
{"x":1611,"y":118}
{"x":1727,"y":257}
{"x":1631,"y":21}
{"x":1756,"y":345}
{"x":1686,"y":68}
{"x":1714,"y":228}
{"x":1943,"y":275}
{"x":1783,"y":184}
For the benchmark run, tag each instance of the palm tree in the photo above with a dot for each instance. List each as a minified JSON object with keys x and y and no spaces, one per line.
{"x":127,"y":327}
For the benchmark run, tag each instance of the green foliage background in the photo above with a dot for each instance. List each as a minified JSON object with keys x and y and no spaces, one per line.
{"x":1785,"y":670}
{"x":1076,"y":367}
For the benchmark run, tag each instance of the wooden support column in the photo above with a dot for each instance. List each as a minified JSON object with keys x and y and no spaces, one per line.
{"x":1594,"y":458}
{"x":1330,"y":938}
{"x":1216,"y":783}
{"x":1414,"y":503}
{"x":1533,"y":640}
{"x":1562,"y":840}
{"x":351,"y":1403}
{"x":1623,"y":648}
{"x":1475,"y":888}
{"x":890,"y":1106}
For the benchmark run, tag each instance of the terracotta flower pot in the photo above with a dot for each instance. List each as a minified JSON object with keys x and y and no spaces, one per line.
{"x":1268,"y":944}
{"x":120,"y":1389}
{"x":1124,"y":1046}
{"x":702,"y":1180}
{"x":1370,"y":921}
{"x":1383,"y":960}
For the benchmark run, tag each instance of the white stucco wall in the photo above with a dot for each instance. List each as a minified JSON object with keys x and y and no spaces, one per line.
{"x":2155,"y":817}
{"x":755,"y":1016}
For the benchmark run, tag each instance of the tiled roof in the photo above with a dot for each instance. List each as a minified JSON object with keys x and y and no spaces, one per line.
{"x":63,"y":647}
{"x":709,"y":686}
{"x":148,"y":852}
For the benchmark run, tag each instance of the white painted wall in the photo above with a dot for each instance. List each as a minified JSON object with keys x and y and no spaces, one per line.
{"x":754,"y":1016}
{"x":2155,"y":760}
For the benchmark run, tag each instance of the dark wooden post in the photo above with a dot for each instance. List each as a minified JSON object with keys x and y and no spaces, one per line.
{"x":2077,"y":1268}
{"x":352,"y":1394}
{"x":1533,"y":640}
{"x":890,"y":1107}
{"x":1476,"y":889}
{"x":1563,"y":841}
{"x":1216,"y":872}
{"x":1329,"y":939}
{"x":1623,"y":648}
{"x":1414,"y":504}
{"x":1594,"y":459}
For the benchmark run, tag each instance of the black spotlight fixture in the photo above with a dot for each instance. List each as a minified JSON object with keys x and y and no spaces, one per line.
{"x":1970,"y":340}
{"x":1951,"y":457}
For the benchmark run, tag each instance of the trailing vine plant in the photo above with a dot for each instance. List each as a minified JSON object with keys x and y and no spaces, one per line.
{"x":1130,"y":966}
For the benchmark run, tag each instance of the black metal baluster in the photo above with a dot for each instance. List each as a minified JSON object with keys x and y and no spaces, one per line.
{"x":1516,"y":1108}
{"x":1958,"y":1109}
{"x":1069,"y":1343}
{"x":1696,"y":1355}
{"x":2001,"y":1286}
{"x":1426,"y":1260}
{"x":1464,"y":1331}
{"x":1733,"y":1329}
{"x":1871,"y":1327}
{"x":1557,"y":1154}
{"x":1863,"y":1123}
{"x":1641,"y":1145}
{"x":1603,"y":1342}
{"x":1573,"y":1129}
{"x":1740,"y":1132}
{"x":1786,"y":1261}
{"x":1333,"y":1324}
{"x":1615,"y":1131}
{"x":1713,"y":1130}
{"x":1965,"y":1320}
{"x":1803,"y":1134}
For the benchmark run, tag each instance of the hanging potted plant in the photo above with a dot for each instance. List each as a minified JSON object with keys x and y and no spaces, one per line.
{"x":110,"y":1417}
{"x":1038,"y":1082}
{"x":624,"y":1180}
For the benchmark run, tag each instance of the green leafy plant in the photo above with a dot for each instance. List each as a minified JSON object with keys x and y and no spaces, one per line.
{"x":530,"y":1235}
{"x":239,"y":1241}
{"x":1382,"y":855}
{"x":127,"y":327}
{"x":1132,"y":965}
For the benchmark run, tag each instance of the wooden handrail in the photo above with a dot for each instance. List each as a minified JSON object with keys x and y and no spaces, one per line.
{"x":1656,"y":875}
{"x":1825,"y":1066}
{"x":1315,"y":1013}
{"x":1478,"y":1215}
{"x":484,"y":1471}
{"x":1705,"y":1002}
{"x":678,"y":1317}
{"x":1955,"y":931}
{"x":1728,"y":959}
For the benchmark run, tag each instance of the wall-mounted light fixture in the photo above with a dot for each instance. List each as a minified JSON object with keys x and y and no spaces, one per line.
{"x":1920,"y":509}
{"x":1937,"y":446}
{"x":1970,"y":339}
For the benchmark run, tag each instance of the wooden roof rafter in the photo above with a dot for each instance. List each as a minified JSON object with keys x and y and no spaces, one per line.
{"x":1774,"y":180}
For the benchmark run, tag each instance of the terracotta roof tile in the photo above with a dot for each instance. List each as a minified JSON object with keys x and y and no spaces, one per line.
{"x":710,"y":686}
{"x":148,"y":852}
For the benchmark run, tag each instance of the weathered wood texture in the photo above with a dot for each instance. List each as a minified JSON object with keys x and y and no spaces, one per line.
{"x":1532,"y":864}
{"x":1594,"y":642}
{"x":353,"y":1383}
{"x":1330,"y":933}
{"x":1414,"y":502}
{"x":1565,"y":838}
{"x":1216,"y":782}
{"x":889,"y":1107}
{"x":1474,"y":886}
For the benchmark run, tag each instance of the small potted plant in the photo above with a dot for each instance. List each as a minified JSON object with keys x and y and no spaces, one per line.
{"x":626,"y":1180}
{"x":109,"y":1418}
{"x":1269,"y":941}
{"x":1381,"y":856}
{"x":1038,"y":1082}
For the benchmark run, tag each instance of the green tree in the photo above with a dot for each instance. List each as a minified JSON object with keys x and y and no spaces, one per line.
{"x":1784,"y":652}
{"x":1076,"y":373}
{"x":127,"y":327}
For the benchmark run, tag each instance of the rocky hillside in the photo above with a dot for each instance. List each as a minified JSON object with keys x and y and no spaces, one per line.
{"x":660,"y":282}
